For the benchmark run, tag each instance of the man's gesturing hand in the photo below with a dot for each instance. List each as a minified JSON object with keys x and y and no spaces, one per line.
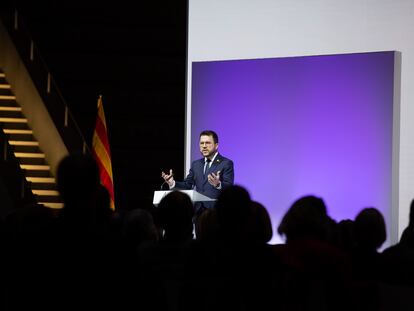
{"x":214,"y":179}
{"x":168,"y":178}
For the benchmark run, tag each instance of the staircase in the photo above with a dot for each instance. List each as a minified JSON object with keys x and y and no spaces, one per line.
{"x":26,"y":148}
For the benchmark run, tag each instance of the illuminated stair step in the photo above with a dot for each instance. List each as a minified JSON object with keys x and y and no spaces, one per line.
{"x":52,"y":205}
{"x":10,"y":108}
{"x":14,"y":120}
{"x":12,"y":97}
{"x":16,"y":131}
{"x":29,"y":155}
{"x":41,"y":179}
{"x":5,"y":86}
{"x":46,"y":192}
{"x":23,"y":143}
{"x":35,"y":167}
{"x":2,"y":75}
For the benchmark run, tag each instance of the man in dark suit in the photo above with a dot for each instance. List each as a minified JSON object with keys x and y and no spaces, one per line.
{"x":208,"y":175}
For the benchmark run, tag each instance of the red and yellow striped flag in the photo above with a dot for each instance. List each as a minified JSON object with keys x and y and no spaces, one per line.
{"x":101,"y":152}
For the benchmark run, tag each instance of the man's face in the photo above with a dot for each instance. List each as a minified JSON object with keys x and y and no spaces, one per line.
{"x":207,"y":146}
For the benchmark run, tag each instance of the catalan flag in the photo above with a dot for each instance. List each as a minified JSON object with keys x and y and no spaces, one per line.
{"x":101,"y":152}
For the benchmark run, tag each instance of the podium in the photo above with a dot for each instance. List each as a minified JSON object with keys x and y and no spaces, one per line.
{"x":194,"y":196}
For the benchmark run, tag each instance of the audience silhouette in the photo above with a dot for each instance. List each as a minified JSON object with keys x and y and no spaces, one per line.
{"x":163,"y":258}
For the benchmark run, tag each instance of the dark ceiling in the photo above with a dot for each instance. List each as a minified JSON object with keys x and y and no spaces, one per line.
{"x":134,"y":54}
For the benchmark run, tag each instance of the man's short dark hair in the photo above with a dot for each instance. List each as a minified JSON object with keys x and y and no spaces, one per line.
{"x":210,"y":133}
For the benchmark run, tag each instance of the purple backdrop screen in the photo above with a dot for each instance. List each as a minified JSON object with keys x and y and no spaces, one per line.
{"x":295,"y":126}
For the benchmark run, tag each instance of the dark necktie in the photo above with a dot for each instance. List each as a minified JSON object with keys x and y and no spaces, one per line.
{"x":206,"y":166}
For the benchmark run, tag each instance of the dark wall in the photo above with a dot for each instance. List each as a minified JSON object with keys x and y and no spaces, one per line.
{"x":134,"y":54}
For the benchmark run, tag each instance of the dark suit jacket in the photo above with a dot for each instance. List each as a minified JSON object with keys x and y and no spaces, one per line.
{"x":198,"y":181}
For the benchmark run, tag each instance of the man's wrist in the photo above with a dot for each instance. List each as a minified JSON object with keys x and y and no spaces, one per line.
{"x":172,"y":184}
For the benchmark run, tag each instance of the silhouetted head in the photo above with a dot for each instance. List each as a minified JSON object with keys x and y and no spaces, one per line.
{"x":175,"y":215}
{"x":234,"y":213}
{"x":411,"y":219}
{"x":345,"y":234}
{"x":369,"y":229}
{"x":139,"y":226}
{"x":30,"y":221}
{"x":206,"y":226}
{"x":78,"y":179}
{"x":305,"y":219}
{"x":407,"y":237}
{"x":262,"y":225}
